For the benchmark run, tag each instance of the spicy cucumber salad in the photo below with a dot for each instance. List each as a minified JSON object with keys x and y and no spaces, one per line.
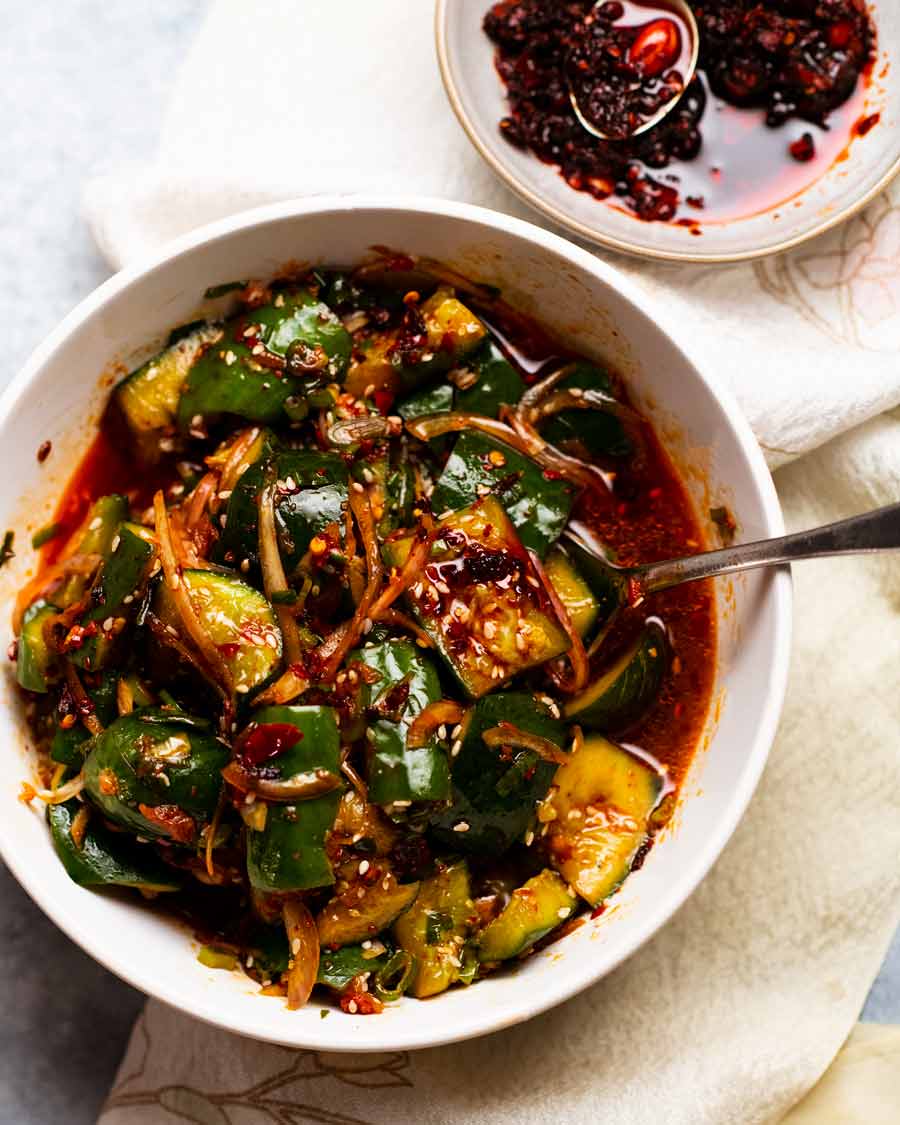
{"x":312,"y":659}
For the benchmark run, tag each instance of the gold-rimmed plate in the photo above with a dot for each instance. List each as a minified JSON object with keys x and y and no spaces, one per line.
{"x":870,"y":162}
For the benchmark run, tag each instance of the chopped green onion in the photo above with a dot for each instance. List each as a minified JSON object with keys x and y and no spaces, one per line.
{"x":45,"y":535}
{"x":393,"y":979}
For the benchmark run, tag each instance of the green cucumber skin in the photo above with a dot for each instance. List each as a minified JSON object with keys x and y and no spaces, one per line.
{"x":289,"y":853}
{"x":122,"y":576}
{"x":498,"y":817}
{"x":397,"y":773}
{"x":124,"y":751}
{"x":227,"y":379}
{"x":602,"y":434}
{"x":34,"y":660}
{"x":633,"y":692}
{"x":538,"y":508}
{"x":322,"y":481}
{"x":106,"y":858}
{"x":70,"y":745}
{"x":526,"y":920}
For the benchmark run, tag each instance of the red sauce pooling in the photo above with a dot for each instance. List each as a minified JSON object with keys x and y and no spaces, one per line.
{"x":105,"y":467}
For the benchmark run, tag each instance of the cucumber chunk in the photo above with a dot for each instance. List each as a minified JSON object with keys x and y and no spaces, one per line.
{"x":497,"y":789}
{"x":105,"y":857}
{"x":622,"y":694}
{"x":315,"y":489}
{"x":597,"y":432}
{"x":70,"y":744}
{"x":435,"y":930}
{"x":34,"y":660}
{"x":536,"y":908}
{"x":228,"y":377}
{"x":539,"y":508}
{"x":288,"y":853}
{"x":398,"y":772}
{"x":148,"y":397}
{"x":157,"y":773}
{"x":574,"y":593}
{"x":496,"y":383}
{"x":453,"y":332}
{"x":238,"y":619}
{"x":601,"y":805}
{"x":492,"y":622}
{"x":349,"y":918}
{"x":123,"y":577}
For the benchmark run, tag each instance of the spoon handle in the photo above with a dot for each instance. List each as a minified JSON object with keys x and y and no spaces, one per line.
{"x":873,"y":531}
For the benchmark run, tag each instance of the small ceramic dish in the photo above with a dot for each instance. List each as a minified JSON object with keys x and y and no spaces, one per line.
{"x":478,"y":98}
{"x":57,"y":397}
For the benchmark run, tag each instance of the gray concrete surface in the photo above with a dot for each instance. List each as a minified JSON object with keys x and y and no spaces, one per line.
{"x":82,"y":86}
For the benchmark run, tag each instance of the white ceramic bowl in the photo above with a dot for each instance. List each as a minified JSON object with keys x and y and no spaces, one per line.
{"x":57,"y":397}
{"x":477,"y":95}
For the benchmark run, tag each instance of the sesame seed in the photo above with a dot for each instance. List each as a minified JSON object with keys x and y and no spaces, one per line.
{"x":352,"y":1007}
{"x":564,"y":912}
{"x":225,"y":494}
{"x":242,"y":689}
{"x":249,"y":961}
{"x":245,"y":565}
{"x":462,"y":826}
{"x":442,"y":731}
{"x":230,"y":357}
{"x":490,"y":630}
{"x":455,"y":748}
{"x":368,"y":476}
{"x":357,"y":487}
{"x":457,"y":731}
{"x":95,"y":523}
{"x":128,"y":599}
{"x":446,"y":512}
{"x":295,"y":946}
{"x":364,"y":866}
{"x":529,"y":838}
{"x":107,"y":624}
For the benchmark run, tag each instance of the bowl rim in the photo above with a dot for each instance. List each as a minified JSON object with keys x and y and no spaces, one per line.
{"x":591,"y":234}
{"x":482,"y":1021}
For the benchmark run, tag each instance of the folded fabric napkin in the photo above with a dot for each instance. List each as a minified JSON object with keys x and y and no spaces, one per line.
{"x":736,"y":1008}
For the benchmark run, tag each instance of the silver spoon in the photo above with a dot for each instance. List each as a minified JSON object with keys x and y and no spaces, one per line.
{"x":873,"y":531}
{"x":680,"y":8}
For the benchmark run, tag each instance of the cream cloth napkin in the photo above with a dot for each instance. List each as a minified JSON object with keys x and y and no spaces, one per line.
{"x":737,"y":1007}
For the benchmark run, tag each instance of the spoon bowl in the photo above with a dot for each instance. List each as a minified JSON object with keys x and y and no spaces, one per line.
{"x":682,"y":10}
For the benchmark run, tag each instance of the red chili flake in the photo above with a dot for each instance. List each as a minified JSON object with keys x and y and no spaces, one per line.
{"x":655,"y":493}
{"x":552,"y":474}
{"x":44,"y":451}
{"x":265,"y":741}
{"x":361,"y":1003}
{"x":803,"y":149}
{"x":866,"y":123}
{"x":383,"y":400}
{"x":839,"y":34}
{"x":172,"y":820}
{"x":598,"y":910}
{"x":621,"y":509}
{"x":678,"y":710}
{"x":229,"y":650}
